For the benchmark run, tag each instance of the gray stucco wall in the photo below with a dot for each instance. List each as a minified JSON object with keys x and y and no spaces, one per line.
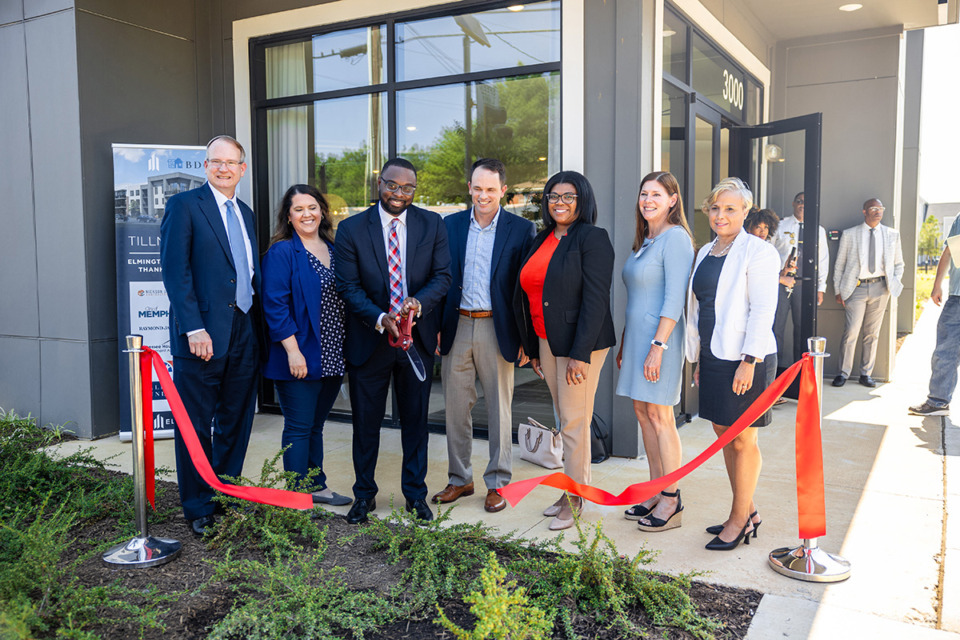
{"x":855,"y":80}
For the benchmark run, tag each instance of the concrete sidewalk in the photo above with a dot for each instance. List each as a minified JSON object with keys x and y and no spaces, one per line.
{"x":887,"y":497}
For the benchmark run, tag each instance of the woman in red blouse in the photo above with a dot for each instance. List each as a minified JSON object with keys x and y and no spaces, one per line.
{"x":563,"y":308}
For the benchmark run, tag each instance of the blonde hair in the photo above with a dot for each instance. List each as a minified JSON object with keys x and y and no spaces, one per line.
{"x":734,"y":185}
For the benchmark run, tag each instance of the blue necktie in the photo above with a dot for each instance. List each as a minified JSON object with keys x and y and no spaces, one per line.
{"x":239,"y":250}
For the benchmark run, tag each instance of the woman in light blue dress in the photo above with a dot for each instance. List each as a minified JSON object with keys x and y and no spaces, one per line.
{"x":651,"y":350}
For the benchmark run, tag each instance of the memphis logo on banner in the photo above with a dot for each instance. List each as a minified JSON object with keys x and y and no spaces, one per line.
{"x":144,"y":177}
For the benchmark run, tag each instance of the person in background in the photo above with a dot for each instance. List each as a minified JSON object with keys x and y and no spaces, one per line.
{"x":651,"y":347}
{"x":563,"y":310}
{"x":305,"y":323}
{"x":763,"y":223}
{"x":867,"y":272}
{"x":478,"y":336}
{"x":730,"y":309}
{"x":212,"y":276}
{"x":789,"y":236}
{"x":946,"y":355}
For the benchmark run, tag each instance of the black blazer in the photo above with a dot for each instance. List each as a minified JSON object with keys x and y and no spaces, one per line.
{"x":510,"y":246}
{"x":576,"y":295}
{"x":363,"y":278}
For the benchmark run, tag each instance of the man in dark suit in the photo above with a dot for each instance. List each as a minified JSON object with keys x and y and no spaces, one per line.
{"x":479,"y":336}
{"x":391,"y":259}
{"x":208,"y":253}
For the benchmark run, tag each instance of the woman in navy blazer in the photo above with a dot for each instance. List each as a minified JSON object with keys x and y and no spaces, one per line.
{"x":731,"y":303}
{"x":563,"y":310}
{"x":305,"y":322}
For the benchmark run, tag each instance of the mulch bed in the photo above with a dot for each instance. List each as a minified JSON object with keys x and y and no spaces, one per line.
{"x":202,"y":605}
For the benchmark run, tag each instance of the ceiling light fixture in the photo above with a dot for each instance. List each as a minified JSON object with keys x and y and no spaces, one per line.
{"x":411,"y":128}
{"x":515,"y":7}
{"x":851,"y":7}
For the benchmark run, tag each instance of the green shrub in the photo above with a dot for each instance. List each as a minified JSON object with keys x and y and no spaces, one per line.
{"x":502,"y":609}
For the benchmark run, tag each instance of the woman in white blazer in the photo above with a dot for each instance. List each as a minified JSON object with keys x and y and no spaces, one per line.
{"x":731,"y":303}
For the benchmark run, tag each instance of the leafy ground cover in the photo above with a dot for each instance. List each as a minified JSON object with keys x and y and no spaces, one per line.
{"x":268,"y":572}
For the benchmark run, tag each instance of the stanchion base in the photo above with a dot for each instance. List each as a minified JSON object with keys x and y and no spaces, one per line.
{"x":140,"y":553}
{"x":812,"y":565}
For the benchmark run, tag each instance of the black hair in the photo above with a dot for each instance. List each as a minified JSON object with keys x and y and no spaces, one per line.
{"x":586,"y":202}
{"x":403,"y":163}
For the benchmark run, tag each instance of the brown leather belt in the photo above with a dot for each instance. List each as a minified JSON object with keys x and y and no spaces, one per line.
{"x":476,"y":314}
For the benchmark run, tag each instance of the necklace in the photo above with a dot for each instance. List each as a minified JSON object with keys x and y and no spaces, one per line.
{"x":722,"y":252}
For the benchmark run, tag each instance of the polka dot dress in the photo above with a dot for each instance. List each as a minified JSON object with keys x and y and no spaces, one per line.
{"x":332,"y":318}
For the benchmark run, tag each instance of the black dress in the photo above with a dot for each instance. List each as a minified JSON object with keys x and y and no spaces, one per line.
{"x":718,"y":403}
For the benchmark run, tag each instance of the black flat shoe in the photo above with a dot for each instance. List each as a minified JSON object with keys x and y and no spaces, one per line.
{"x":200,"y":525}
{"x":717,"y":528}
{"x":719,"y":545}
{"x":420,"y":509}
{"x":358,"y":512}
{"x":867,"y":381}
{"x":839,"y":381}
{"x":654,"y":523}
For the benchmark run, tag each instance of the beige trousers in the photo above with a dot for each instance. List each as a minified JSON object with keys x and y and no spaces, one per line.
{"x":474,"y":355}
{"x":574,"y":405}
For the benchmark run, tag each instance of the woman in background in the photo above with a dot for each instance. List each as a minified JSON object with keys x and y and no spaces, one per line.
{"x":305,"y":320}
{"x":730,"y":309}
{"x":563,"y":312}
{"x":651,"y":348}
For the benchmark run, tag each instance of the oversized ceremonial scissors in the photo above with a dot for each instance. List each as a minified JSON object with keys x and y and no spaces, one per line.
{"x":405,"y":342}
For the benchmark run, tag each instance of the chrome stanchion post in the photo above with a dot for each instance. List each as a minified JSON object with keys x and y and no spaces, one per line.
{"x":808,"y":561}
{"x":144,"y":550}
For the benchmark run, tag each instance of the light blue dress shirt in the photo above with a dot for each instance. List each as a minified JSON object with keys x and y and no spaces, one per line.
{"x":478,"y":264}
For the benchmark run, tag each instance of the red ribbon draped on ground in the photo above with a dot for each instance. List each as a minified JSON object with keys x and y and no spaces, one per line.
{"x":809,"y":454}
{"x":150,"y":360}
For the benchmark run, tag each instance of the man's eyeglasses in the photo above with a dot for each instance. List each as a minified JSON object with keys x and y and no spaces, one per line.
{"x":876,"y":209}
{"x":229,"y":164}
{"x":405,"y":189}
{"x":565,"y":198}
{"x":798,"y":201}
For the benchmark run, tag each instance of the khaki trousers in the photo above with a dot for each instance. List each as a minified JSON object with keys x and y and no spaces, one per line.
{"x":863,"y":310}
{"x":474,"y":355}
{"x":574,"y":406}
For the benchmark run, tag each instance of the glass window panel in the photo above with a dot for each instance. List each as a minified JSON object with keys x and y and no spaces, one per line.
{"x":337,"y":145}
{"x":516,"y":120}
{"x":674,"y":46}
{"x":673,"y":134}
{"x":703,"y":179}
{"x":341,"y":60}
{"x":717,"y":79}
{"x":494,"y":39}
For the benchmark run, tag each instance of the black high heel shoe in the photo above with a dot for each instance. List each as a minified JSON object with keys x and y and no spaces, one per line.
{"x":657,"y":524}
{"x":719,"y":545}
{"x":717,"y":528}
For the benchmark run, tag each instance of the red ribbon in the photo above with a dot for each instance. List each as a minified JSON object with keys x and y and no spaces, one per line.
{"x":809,"y":457}
{"x":150,"y":359}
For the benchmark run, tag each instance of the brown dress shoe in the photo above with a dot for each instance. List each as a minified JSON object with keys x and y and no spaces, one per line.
{"x":494,"y":502}
{"x":451,"y":492}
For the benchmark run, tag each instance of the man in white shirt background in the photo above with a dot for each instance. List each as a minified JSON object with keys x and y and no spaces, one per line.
{"x":790,"y":236}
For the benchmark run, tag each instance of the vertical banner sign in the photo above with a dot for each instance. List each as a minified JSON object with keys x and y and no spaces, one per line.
{"x":144,"y":177}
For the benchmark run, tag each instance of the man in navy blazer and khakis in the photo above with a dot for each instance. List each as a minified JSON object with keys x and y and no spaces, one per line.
{"x":391,"y":259}
{"x":208,"y":254}
{"x":479,"y":336}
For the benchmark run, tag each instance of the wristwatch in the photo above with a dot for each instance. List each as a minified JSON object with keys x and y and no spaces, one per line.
{"x":750,"y":359}
{"x":657,"y":343}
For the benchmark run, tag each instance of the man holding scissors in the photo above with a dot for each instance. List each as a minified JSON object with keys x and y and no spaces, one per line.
{"x":391,"y":259}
